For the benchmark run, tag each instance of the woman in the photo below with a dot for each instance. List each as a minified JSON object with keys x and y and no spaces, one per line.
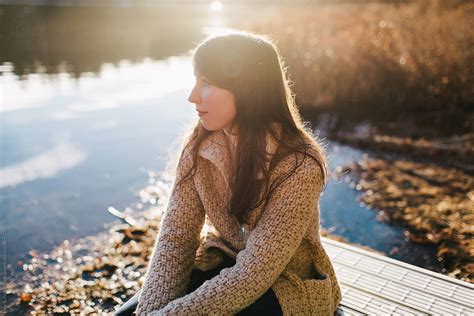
{"x":241,"y":231}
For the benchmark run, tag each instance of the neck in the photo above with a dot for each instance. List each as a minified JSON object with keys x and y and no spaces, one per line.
{"x":232,"y":132}
{"x":232,"y":143}
{"x":232,"y":137}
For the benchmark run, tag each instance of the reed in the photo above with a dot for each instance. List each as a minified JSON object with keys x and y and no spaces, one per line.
{"x":381,"y":61}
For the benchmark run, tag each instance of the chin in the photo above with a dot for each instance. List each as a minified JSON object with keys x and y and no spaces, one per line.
{"x":210,"y":128}
{"x":207,"y":127}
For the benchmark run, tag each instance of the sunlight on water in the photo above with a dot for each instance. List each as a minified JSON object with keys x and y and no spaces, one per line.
{"x":115,"y":86}
{"x":45,"y":165}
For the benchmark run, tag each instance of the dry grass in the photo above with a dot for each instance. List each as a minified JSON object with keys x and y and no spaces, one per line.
{"x":381,"y":61}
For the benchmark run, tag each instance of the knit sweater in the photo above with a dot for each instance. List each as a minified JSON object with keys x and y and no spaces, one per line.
{"x":280,"y":248}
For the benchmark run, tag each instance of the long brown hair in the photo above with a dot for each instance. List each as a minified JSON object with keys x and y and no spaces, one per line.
{"x":249,"y":66}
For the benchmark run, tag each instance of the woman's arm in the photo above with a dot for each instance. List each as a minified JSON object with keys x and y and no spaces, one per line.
{"x":178,"y":239}
{"x":270,"y":247}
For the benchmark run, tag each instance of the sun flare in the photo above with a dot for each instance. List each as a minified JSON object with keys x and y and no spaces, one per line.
{"x":216,"y":6}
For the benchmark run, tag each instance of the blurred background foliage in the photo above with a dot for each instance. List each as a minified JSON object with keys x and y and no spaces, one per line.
{"x":409,"y":62}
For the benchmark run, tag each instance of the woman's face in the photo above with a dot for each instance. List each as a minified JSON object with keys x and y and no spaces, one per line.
{"x":215,"y":106}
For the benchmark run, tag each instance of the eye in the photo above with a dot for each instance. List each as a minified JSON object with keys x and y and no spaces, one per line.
{"x":204,"y":81}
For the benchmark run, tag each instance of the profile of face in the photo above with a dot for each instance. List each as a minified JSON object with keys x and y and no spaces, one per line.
{"x":215,"y":106}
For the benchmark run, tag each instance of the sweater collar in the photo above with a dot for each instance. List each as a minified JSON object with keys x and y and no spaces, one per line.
{"x":214,"y":148}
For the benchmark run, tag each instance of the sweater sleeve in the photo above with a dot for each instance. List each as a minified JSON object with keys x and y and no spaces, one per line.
{"x":270,"y":247}
{"x":174,"y":251}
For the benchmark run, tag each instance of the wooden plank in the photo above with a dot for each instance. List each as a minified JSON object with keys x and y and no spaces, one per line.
{"x":375,"y":284}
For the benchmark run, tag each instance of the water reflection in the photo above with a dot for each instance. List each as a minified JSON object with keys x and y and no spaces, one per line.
{"x":45,"y":165}
{"x":79,"y":40}
{"x":73,"y":147}
{"x":343,"y":215}
{"x":121,"y":85}
{"x":49,"y":40}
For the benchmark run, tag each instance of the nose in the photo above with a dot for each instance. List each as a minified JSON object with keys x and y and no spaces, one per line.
{"x":193,"y":96}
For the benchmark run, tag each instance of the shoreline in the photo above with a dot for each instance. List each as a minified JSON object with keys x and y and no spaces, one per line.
{"x":417,"y":142}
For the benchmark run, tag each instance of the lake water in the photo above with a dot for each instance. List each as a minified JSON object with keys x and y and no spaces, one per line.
{"x":75,"y":148}
{"x":80,"y":135}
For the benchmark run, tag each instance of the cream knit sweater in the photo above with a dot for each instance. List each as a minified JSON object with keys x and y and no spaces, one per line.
{"x":280,"y":248}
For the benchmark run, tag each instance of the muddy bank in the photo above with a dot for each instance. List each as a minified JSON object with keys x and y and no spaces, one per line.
{"x":456,"y":151}
{"x":404,"y":138}
{"x":436,"y":204}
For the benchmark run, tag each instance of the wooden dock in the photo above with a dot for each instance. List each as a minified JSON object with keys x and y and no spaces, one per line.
{"x":372,"y":284}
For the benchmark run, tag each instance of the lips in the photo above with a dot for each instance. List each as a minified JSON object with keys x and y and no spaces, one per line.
{"x":201,"y":113}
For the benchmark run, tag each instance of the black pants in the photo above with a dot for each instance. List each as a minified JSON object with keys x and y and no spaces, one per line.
{"x":267,"y":304}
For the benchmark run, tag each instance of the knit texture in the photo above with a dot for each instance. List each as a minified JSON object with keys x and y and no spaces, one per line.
{"x":280,"y":248}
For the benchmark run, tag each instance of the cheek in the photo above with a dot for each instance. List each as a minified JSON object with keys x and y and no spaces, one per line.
{"x":219,"y":103}
{"x":223,"y":115}
{"x":205,"y":92}
{"x":228,"y":111}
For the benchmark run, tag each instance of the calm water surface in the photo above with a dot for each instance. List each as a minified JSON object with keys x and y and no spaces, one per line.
{"x":75,"y":147}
